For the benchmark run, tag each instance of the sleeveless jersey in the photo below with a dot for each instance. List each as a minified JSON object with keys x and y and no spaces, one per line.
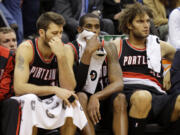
{"x":43,"y":72}
{"x":133,"y":62}
{"x":103,"y":79}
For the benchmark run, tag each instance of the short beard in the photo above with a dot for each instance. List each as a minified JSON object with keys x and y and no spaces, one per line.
{"x":138,"y":36}
{"x":46,"y":41}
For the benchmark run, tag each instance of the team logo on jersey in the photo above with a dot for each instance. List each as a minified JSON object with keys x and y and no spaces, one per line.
{"x":55,"y":106}
{"x":33,"y":102}
{"x":49,"y":100}
{"x":50,"y":115}
{"x":93,"y":75}
{"x":157,"y":40}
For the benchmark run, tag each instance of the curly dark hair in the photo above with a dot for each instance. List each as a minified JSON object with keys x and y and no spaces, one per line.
{"x":129,"y":13}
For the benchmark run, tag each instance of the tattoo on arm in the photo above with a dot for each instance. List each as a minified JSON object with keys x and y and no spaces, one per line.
{"x":20,"y":63}
{"x":112,"y":53}
{"x":114,"y":68}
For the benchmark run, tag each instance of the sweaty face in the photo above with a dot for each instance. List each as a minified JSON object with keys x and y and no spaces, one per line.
{"x":8,"y":40}
{"x":52,"y":31}
{"x":140,"y":26}
{"x":92,"y":24}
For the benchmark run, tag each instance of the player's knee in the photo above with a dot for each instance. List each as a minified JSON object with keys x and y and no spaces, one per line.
{"x":177,"y":106}
{"x":69,"y":122}
{"x":83,"y":99}
{"x":141,"y":100}
{"x":119,"y":103}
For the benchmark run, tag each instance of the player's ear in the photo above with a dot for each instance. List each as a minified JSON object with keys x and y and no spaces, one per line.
{"x":79,"y":29}
{"x":129,"y":26}
{"x":41,"y":32}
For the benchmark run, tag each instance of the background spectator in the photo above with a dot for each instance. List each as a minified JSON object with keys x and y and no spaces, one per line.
{"x":73,"y":10}
{"x":174,"y":26}
{"x":112,"y":10}
{"x":160,"y":18}
{"x":6,"y":18}
{"x":30,"y":13}
{"x":8,"y":38}
{"x":14,"y":7}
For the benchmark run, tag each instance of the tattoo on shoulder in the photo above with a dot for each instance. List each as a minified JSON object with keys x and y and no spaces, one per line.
{"x":20,"y":63}
{"x":111,"y":52}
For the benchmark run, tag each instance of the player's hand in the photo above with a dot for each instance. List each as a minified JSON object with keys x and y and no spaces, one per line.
{"x":57,"y":46}
{"x":65,"y":95}
{"x":93,"y":109}
{"x":92,"y":44}
{"x":167,"y":81}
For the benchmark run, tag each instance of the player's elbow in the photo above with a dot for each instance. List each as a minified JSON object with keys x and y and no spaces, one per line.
{"x":17,"y":88}
{"x":74,"y":85}
{"x":119,"y":83}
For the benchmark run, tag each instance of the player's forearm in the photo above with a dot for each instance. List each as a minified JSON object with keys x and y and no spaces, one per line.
{"x":26,"y":88}
{"x":86,"y":57}
{"x":66,"y":75}
{"x":114,"y":87}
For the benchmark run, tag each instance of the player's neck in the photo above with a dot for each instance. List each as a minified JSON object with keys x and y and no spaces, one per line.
{"x":138,"y":43}
{"x":44,"y":49}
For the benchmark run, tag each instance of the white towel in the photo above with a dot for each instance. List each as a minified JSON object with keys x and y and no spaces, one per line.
{"x":96,"y":62}
{"x":82,"y":42}
{"x":94,"y":72}
{"x":47,"y":114}
{"x":153,"y":53}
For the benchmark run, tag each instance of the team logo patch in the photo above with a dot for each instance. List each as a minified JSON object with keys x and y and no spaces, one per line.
{"x":157,"y":40}
{"x":50,"y":115}
{"x":93,"y":75}
{"x":33,"y":102}
{"x":56,"y":105}
{"x":49,"y":100}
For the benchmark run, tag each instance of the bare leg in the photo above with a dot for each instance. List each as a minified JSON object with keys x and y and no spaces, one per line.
{"x":176,"y":112}
{"x":68,"y":128}
{"x":35,"y":129}
{"x":89,"y":128}
{"x":140,"y":107}
{"x":120,"y":119}
{"x":140,"y":104}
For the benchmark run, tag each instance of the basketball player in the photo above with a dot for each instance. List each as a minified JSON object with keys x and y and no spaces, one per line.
{"x":140,"y":58}
{"x":97,"y":105}
{"x":43,"y":69}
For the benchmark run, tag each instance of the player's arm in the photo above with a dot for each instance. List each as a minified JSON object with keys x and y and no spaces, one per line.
{"x":167,"y":51}
{"x":65,"y":60}
{"x":116,"y":83}
{"x":24,"y":56}
{"x":82,"y":70}
{"x":114,"y":73}
{"x":68,"y":77}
